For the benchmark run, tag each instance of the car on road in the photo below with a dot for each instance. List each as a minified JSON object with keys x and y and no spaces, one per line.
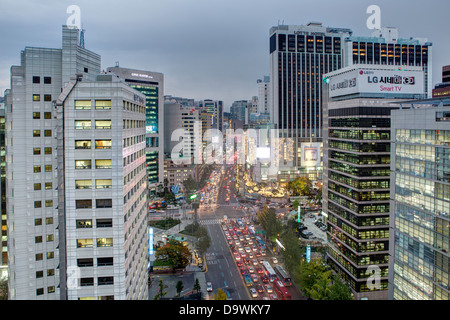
{"x":268,"y":288}
{"x":251,"y":269}
{"x":255,"y":262}
{"x":264,"y":278}
{"x":259,"y":270}
{"x":273,"y":296}
{"x":274,"y":260}
{"x":247,"y":249}
{"x":254,"y":277}
{"x":259,"y":288}
{"x":253,"y":293}
{"x":209,"y":286}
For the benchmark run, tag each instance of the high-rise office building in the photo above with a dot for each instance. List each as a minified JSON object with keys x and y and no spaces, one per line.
{"x":215,"y":109}
{"x":4,"y":246}
{"x":31,"y":163}
{"x":152,"y":85}
{"x":419,"y":265}
{"x":102,"y":190}
{"x":385,"y":47}
{"x":239,"y":110}
{"x":182,"y":131}
{"x":446,"y":74}
{"x":443,"y":89}
{"x":264,"y":95}
{"x":356,"y":176}
{"x":299,"y":56}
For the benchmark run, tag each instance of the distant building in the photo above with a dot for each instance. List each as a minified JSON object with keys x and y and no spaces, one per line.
{"x":442,"y":90}
{"x":182,"y":131}
{"x":151,"y":84}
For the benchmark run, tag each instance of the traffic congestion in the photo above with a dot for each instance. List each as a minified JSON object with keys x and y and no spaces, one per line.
{"x":261,"y":273}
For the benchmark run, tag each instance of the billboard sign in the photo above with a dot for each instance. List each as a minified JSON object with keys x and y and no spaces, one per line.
{"x":376,"y":81}
{"x":310,"y":155}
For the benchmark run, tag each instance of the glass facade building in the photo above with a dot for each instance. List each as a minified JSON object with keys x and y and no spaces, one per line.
{"x":151,"y":84}
{"x":420,"y":204}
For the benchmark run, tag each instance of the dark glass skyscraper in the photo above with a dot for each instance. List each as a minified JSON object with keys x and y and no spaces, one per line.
{"x":299,"y":56}
{"x":151,"y":84}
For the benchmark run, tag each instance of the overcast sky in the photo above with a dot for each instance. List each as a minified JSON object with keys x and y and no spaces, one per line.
{"x":212,"y":49}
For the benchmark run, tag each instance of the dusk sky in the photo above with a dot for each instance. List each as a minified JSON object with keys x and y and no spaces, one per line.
{"x":206,"y":49}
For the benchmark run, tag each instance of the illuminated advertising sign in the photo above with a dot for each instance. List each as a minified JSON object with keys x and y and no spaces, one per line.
{"x":376,"y":81}
{"x":310,"y":155}
{"x":150,"y":242}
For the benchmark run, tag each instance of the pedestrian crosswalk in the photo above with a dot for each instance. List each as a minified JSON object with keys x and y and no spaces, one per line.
{"x":209,"y":221}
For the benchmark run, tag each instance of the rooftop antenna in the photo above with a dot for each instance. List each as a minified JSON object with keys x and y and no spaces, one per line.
{"x":82,"y":37}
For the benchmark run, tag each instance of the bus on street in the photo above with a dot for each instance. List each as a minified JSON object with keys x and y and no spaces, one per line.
{"x":281,"y":290}
{"x":270,"y":273}
{"x":283,"y":275}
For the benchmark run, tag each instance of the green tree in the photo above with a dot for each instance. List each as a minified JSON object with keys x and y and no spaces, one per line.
{"x":291,"y":254}
{"x":197,"y":286}
{"x":3,"y":289}
{"x":308,"y":273}
{"x":203,"y":239}
{"x":174,"y":253}
{"x":179,"y":287}
{"x":267,"y":218}
{"x":161,"y":293}
{"x":221,"y":295}
{"x":301,"y":186}
{"x":339,"y":290}
{"x":320,"y":290}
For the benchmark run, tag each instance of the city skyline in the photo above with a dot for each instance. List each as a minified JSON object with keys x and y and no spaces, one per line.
{"x":206,"y":51}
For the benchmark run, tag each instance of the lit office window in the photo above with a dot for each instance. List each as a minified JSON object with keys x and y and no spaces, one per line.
{"x":82,"y":144}
{"x":83,"y":184}
{"x":85,"y":243}
{"x":102,"y":104}
{"x":104,"y":242}
{"x":82,"y":104}
{"x":102,"y":144}
{"x":103,"y":164}
{"x":103,"y":183}
{"x":83,"y":164}
{"x":82,"y":124}
{"x":102,"y":124}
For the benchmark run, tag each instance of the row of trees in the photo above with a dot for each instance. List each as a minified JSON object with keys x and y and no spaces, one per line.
{"x":179,"y":286}
{"x":315,"y":278}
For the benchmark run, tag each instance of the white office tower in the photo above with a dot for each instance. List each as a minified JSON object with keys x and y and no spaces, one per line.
{"x":182,"y":132}
{"x":32,"y":184}
{"x":102,"y":188}
{"x":264,"y":95}
{"x":41,"y":195}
